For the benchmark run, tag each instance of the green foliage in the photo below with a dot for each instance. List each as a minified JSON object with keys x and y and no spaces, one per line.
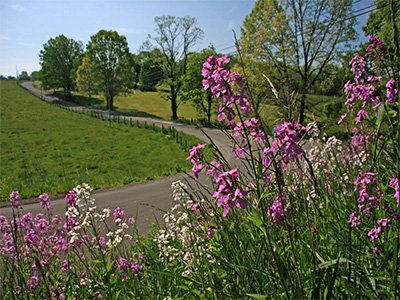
{"x":59,"y":60}
{"x":24,"y":76}
{"x":298,"y":39}
{"x":36,"y":158}
{"x":380,"y":23}
{"x":192,"y":89}
{"x":86,"y":79}
{"x":112,"y":64}
{"x":35,"y":75}
{"x":151,"y":72}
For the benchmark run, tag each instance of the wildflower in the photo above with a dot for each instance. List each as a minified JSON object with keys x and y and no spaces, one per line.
{"x":196,"y":158}
{"x":354,"y":220}
{"x":45,"y":201}
{"x":391,"y":92}
{"x":279,"y":209}
{"x":71,"y":198}
{"x":118,"y":214}
{"x":15,"y":199}
{"x":360,"y":116}
{"x":32,"y":283}
{"x":342,"y":119}
{"x":227,"y":193}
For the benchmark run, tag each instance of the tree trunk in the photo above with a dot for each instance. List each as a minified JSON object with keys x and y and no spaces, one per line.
{"x":302,"y":108}
{"x":209,"y":102}
{"x":174,"y":106}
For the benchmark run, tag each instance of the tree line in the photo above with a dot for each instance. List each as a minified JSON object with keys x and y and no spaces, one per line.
{"x":297,"y":47}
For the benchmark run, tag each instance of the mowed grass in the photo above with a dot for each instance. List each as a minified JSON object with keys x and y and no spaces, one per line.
{"x":47,"y":149}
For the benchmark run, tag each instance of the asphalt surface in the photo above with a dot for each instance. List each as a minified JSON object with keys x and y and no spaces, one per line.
{"x":146,"y":201}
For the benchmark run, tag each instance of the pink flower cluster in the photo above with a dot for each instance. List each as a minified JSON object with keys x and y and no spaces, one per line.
{"x":128,"y":268}
{"x":196,"y":158}
{"x":365,"y":86}
{"x":370,"y":197}
{"x":228,"y":193}
{"x":278,"y":211}
{"x":286,"y":144}
{"x":222,"y":82}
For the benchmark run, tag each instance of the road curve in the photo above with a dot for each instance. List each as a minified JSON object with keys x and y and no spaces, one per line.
{"x":146,"y":201}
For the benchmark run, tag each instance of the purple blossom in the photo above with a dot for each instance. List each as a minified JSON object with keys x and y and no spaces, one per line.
{"x":354,"y":220}
{"x":15,"y":199}
{"x":45,"y":201}
{"x":342,"y":119}
{"x":395,"y":183}
{"x":375,"y":43}
{"x":391,"y":92}
{"x":279,"y":209}
{"x":214,"y":168}
{"x":228,"y":194}
{"x":122,"y":263}
{"x":360,"y":116}
{"x":220,"y":81}
{"x":135,"y":267}
{"x":118,"y":214}
{"x":366,"y":183}
{"x":32,"y":283}
{"x":196,"y":158}
{"x":71,"y":198}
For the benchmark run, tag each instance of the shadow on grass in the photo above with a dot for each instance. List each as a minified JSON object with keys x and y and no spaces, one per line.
{"x":100,"y":104}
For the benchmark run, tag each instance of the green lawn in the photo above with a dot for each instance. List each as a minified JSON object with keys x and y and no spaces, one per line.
{"x":47,"y":149}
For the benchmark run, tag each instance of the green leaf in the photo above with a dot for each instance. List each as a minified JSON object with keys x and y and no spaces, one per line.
{"x":257,"y":296}
{"x":256,"y":219}
{"x":334,"y":262}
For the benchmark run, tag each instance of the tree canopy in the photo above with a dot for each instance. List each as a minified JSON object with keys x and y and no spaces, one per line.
{"x":298,"y":38}
{"x":59,"y":59}
{"x":112,"y":64}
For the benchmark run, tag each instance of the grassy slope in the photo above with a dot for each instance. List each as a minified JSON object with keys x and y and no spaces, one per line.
{"x":46,"y":149}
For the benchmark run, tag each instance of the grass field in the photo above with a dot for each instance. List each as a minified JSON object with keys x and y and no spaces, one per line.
{"x":47,"y":149}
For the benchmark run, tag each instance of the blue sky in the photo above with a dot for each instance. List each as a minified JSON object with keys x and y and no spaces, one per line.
{"x":26,"y":25}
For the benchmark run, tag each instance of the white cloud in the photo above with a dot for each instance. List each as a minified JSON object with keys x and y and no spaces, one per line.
{"x":17,"y":7}
{"x":4,"y":37}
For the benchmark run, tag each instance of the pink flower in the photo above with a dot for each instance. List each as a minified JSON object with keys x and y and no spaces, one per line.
{"x":15,"y":199}
{"x":391,"y":92}
{"x":361,"y":115}
{"x":71,"y":198}
{"x":196,"y":158}
{"x":32,"y":283}
{"x":45,"y":201}
{"x":228,"y":194}
{"x":342,"y":119}
{"x":118,"y":214}
{"x":394,"y":182}
{"x":279,"y":209}
{"x":354,"y":220}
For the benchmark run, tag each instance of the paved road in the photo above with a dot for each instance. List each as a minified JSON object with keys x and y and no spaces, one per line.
{"x":144,"y":200}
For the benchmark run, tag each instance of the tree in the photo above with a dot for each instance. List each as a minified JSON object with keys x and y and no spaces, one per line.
{"x":35,"y":75}
{"x":112,"y":64}
{"x":151,"y":71}
{"x":59,"y":59}
{"x":192,"y":89}
{"x":298,"y":37}
{"x":175,"y":36}
{"x":86,"y":80}
{"x":24,"y":76}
